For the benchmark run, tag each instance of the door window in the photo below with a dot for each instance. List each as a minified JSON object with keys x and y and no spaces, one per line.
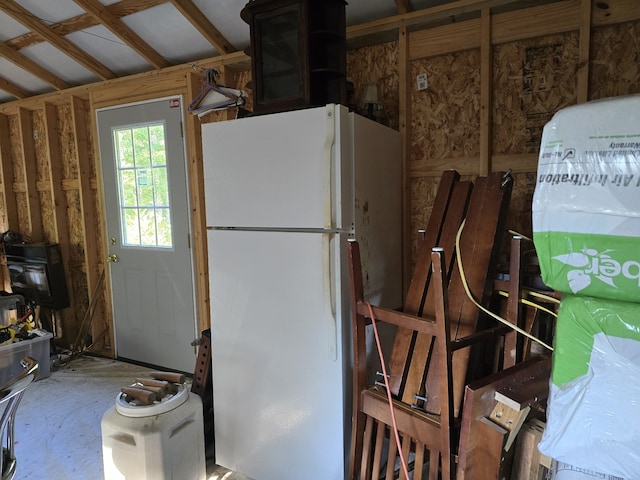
{"x":143,"y":185}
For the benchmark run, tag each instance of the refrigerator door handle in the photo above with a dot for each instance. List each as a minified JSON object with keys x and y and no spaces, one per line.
{"x":329,"y":295}
{"x":329,"y":143}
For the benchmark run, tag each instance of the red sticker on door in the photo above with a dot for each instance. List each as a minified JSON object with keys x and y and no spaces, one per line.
{"x":174,"y":103}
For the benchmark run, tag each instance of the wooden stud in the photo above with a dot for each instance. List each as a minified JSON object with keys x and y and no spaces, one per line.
{"x":30,"y":175}
{"x":92,"y":262}
{"x":6,"y":177}
{"x":55,"y":187}
{"x":108,"y":337}
{"x":583,"y":56}
{"x":486,"y":67}
{"x":404,"y":119}
{"x":197,"y":201}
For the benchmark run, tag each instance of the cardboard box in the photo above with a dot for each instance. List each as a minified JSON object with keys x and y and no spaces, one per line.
{"x":11,"y":355}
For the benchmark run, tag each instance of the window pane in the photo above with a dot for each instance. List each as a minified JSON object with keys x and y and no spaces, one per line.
{"x":132,"y":226}
{"x":128,"y":191}
{"x":161,"y":186}
{"x":141,"y":146}
{"x":148,"y":226}
{"x":158,"y":152}
{"x":124,"y":147}
{"x":163,"y":220}
{"x":143,"y":186}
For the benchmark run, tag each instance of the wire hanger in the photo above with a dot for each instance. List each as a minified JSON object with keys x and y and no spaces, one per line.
{"x":215,"y":97}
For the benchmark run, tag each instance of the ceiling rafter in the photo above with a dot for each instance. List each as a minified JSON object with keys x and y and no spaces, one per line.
{"x":121,"y":30}
{"x":203,"y":25}
{"x":25,"y":17}
{"x":13,"y":89}
{"x":84,"y":21}
{"x":423,"y":17}
{"x":404,"y":6}
{"x":32,"y":67}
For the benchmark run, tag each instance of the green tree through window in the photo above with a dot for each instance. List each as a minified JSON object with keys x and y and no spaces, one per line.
{"x":143,"y":185}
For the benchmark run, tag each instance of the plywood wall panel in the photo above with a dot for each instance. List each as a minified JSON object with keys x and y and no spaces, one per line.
{"x":16,"y":149}
{"x":615,"y":60}
{"x":67,"y":142}
{"x":532,"y":80}
{"x":377,"y":64}
{"x":445,"y":118}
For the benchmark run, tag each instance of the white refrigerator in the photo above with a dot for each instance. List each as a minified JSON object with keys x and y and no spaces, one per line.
{"x":283,"y":194}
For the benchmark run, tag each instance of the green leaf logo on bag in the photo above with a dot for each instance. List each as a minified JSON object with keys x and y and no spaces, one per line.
{"x":591,"y":264}
{"x":596,"y":269}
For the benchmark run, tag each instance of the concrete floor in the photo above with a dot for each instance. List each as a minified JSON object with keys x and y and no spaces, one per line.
{"x":57,"y":427}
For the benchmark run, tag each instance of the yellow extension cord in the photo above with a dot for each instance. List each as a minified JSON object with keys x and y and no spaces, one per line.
{"x":490,"y":313}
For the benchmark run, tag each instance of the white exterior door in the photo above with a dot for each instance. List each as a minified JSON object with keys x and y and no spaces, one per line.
{"x":148,"y":231}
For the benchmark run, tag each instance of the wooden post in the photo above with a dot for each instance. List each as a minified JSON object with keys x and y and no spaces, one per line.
{"x":584,"y":50}
{"x":6,"y":177}
{"x":58,"y":197}
{"x":198,"y":217}
{"x":92,"y":263}
{"x":486,"y":67}
{"x":8,"y":197}
{"x":30,"y":175}
{"x":404,"y":119}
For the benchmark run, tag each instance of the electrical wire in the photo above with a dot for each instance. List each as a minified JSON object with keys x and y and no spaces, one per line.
{"x":403,"y":461}
{"x":477,"y":304}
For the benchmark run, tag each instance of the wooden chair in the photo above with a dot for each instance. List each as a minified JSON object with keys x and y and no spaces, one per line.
{"x":431,"y":350}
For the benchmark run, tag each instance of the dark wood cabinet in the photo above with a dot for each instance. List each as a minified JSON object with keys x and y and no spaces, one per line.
{"x":298,"y":53}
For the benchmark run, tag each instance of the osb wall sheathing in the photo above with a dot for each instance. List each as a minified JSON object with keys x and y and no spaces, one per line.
{"x":615,"y":60}
{"x":444,"y":125}
{"x":376,"y":65}
{"x":532,"y":79}
{"x":49,"y":228}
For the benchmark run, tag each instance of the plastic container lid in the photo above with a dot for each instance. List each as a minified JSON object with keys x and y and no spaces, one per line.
{"x":166,"y":404}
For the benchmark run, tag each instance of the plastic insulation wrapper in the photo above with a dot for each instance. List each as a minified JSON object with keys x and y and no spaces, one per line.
{"x":586,"y":208}
{"x":593,"y":413}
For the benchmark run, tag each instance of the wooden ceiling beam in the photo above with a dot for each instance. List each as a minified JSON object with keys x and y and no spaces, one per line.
{"x":32,"y":67}
{"x":84,"y":21}
{"x":403,"y":6}
{"x":120,"y":29}
{"x":25,"y":17}
{"x":423,"y":17}
{"x":203,"y":25}
{"x":13,"y":89}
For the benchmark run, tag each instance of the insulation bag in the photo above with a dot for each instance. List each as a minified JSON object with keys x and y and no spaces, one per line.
{"x":593,"y":419}
{"x":586,"y":204}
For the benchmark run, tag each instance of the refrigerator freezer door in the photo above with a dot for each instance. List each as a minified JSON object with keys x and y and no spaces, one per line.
{"x":273,"y":171}
{"x":278,"y":373}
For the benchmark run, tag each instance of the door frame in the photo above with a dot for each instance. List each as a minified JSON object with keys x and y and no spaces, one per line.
{"x":108,"y":297}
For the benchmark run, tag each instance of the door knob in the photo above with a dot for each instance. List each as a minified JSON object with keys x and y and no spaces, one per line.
{"x":113,"y":258}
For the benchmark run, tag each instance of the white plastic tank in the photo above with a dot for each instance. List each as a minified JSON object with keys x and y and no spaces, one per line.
{"x":161,"y":441}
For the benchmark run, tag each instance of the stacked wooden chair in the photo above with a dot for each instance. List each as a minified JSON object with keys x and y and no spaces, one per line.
{"x":429,"y":364}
